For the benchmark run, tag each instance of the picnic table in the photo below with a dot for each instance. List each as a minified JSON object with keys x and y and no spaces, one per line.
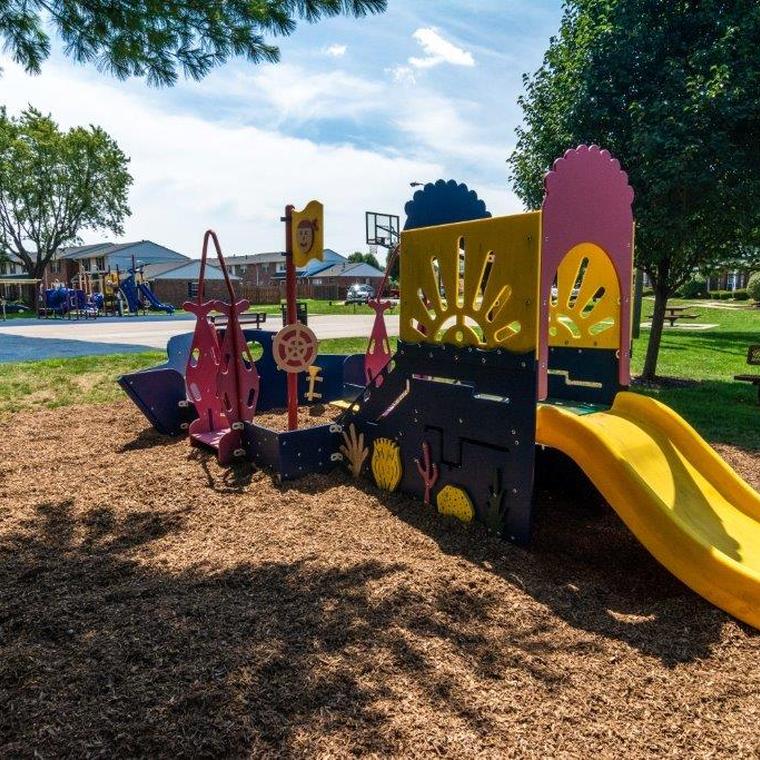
{"x":674,"y":313}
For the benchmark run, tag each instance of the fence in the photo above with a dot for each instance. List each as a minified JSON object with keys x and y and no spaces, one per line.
{"x":268,"y":294}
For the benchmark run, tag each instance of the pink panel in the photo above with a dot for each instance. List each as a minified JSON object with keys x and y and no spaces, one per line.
{"x":201,"y":371}
{"x":588,"y":200}
{"x":378,"y":351}
{"x":238,"y":379}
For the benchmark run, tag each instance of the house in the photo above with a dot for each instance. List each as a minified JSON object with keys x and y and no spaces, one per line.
{"x":265,"y":270}
{"x":728,"y":280}
{"x":258,"y":269}
{"x":263,"y":275}
{"x":340,"y":276}
{"x":177,"y":282}
{"x":100,"y":258}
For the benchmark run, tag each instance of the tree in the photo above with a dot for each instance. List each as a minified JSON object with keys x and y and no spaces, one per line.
{"x":753,"y":287}
{"x":154,"y":39}
{"x":357,"y":257}
{"x":670,"y":88}
{"x":54,"y":184}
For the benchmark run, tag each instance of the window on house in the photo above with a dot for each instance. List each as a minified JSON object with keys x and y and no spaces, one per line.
{"x":12,"y":267}
{"x":3,"y":267}
{"x":55,"y":266}
{"x":100,"y":264}
{"x":86,"y":265}
{"x":280,"y":267}
{"x":316,"y":281}
{"x":192,"y":289}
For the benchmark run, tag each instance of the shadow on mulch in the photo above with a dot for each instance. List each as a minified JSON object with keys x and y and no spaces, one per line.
{"x":235,"y":479}
{"x":148,"y":438}
{"x":586,"y":566}
{"x":104,"y":654}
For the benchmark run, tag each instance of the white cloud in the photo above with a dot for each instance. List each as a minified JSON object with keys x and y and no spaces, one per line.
{"x":437,"y":125}
{"x":300,"y":95}
{"x":192,"y":173}
{"x":402,"y":74}
{"x":336,"y":51}
{"x":439,"y":50}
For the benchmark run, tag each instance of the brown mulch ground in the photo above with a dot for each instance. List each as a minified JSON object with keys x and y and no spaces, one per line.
{"x":152,"y":604}
{"x":308,"y":416}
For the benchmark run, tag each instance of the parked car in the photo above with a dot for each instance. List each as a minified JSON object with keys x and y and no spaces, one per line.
{"x":358,"y":293}
{"x":16,"y":307}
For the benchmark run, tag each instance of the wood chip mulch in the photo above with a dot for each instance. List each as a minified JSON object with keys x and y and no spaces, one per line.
{"x":155,"y":605}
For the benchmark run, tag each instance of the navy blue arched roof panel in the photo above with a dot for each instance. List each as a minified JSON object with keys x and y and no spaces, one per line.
{"x":443,"y":202}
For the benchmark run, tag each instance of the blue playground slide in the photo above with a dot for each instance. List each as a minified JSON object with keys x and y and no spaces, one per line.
{"x":132,"y":293}
{"x":150,"y":296}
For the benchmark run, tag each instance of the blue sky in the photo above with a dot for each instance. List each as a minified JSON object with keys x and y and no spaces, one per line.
{"x":355,"y":110}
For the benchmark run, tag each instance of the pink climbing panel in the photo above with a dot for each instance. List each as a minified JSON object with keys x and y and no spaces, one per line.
{"x":222,"y":380}
{"x":588,"y":200}
{"x":202,"y":370}
{"x":378,"y":350}
{"x":238,"y":377}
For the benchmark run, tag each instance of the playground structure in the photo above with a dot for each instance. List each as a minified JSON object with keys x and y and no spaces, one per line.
{"x":515,"y":332}
{"x":90,"y":295}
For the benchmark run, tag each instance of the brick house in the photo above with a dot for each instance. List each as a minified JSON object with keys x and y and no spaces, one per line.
{"x":176,"y":283}
{"x":259,"y":269}
{"x":335,"y":279}
{"x":728,"y":280}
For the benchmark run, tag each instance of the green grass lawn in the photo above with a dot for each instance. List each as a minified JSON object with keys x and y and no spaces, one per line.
{"x":704,"y":361}
{"x":723,"y":410}
{"x":314,"y":308}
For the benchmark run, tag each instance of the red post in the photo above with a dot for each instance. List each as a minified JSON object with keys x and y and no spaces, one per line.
{"x":290,"y":299}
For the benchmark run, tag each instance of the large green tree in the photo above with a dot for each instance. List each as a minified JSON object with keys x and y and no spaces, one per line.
{"x":158,"y":38}
{"x":670,"y":87}
{"x":55,"y":184}
{"x":357,"y":257}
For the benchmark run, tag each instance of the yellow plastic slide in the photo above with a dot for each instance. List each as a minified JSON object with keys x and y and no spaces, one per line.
{"x":680,"y":499}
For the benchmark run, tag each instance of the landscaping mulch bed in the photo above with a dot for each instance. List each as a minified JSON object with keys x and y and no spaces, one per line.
{"x":308,"y":416}
{"x":153,"y":604}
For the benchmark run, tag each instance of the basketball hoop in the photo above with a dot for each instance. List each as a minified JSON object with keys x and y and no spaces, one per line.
{"x":382,"y":229}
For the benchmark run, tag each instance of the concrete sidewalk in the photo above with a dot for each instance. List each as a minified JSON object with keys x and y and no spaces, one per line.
{"x":28,"y":339}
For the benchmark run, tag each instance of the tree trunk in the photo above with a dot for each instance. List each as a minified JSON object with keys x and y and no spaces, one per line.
{"x":37,"y":271}
{"x":655,"y":334}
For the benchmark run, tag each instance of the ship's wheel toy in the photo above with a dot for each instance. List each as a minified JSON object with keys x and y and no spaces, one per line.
{"x":295,"y":348}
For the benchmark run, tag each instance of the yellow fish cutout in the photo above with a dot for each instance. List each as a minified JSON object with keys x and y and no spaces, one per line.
{"x":307,"y":234}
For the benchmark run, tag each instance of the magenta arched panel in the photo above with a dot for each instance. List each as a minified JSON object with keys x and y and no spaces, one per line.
{"x":587,"y":200}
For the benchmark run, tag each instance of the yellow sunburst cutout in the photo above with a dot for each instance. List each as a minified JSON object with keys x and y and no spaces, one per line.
{"x":472,"y":283}
{"x":584,"y":309}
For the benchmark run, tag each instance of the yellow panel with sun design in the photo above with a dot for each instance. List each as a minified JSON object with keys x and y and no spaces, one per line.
{"x":584,"y":310}
{"x":472,"y":283}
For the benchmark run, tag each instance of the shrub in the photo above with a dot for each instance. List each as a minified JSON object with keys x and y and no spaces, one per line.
{"x":741,"y":295}
{"x":753,"y":287}
{"x":695,"y":288}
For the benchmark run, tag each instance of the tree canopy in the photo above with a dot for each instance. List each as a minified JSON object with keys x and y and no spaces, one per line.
{"x":156,"y":39}
{"x":54,"y":184}
{"x":669,"y":87}
{"x":357,"y":257}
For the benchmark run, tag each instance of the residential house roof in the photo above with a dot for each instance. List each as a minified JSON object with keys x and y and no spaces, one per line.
{"x":187,"y":270}
{"x":268,"y":257}
{"x":350,"y":271}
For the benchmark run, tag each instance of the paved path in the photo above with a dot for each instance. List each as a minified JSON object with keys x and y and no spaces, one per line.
{"x":25,"y":339}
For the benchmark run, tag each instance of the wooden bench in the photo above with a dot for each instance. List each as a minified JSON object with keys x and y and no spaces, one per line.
{"x":753,"y":359}
{"x":247,"y":319}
